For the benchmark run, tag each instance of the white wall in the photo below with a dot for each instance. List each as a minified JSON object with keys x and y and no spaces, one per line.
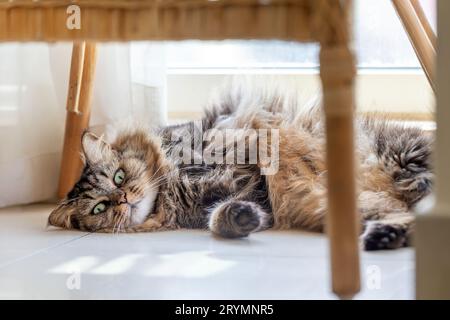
{"x":405,"y":91}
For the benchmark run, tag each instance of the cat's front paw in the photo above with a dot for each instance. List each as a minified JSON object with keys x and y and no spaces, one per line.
{"x":379,"y":236}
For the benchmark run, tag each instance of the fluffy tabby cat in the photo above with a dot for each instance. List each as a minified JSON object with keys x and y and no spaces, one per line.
{"x":136,"y":183}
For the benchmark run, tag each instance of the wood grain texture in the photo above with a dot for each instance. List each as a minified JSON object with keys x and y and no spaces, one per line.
{"x":77,"y":119}
{"x":424,"y":22}
{"x":343,"y":219}
{"x":119,"y":20}
{"x":419,"y":39}
{"x":337,"y":73}
{"x":75,"y":77}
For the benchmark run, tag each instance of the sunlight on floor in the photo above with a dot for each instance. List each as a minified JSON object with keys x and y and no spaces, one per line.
{"x":80,"y":264}
{"x":184,"y":264}
{"x":193,"y":264}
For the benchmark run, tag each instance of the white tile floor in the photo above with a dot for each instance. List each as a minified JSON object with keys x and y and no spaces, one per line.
{"x":36,"y":262}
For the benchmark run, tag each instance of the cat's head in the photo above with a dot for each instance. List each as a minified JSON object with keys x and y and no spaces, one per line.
{"x":118,"y":186}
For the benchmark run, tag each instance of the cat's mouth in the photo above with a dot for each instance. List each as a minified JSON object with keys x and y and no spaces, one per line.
{"x":141,"y":209}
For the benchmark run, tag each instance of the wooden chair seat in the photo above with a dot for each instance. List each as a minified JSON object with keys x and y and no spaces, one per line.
{"x":118,"y":20}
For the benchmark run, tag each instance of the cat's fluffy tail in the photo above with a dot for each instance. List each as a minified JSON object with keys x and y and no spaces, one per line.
{"x":242,"y":100}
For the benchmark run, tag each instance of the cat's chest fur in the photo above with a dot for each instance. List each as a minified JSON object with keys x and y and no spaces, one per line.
{"x":193,"y":190}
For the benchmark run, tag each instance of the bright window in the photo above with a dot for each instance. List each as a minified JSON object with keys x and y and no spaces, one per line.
{"x":390,"y":78}
{"x":380,"y":42}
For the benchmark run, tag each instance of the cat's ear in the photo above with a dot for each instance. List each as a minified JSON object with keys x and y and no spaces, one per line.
{"x":62,"y":216}
{"x":95,"y":149}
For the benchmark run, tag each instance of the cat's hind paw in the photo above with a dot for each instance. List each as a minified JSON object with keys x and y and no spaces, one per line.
{"x":237,"y":219}
{"x":379,"y":236}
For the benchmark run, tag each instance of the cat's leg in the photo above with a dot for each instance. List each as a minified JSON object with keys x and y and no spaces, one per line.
{"x":236,"y":219}
{"x":394,"y":231}
{"x":386,"y":222}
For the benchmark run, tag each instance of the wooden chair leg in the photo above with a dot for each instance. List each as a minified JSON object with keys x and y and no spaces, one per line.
{"x":337,"y":74}
{"x":425,"y":23}
{"x":420,"y":41}
{"x":81,"y":81}
{"x":332,"y":25}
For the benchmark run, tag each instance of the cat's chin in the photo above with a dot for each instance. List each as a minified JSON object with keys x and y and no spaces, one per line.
{"x":141,"y":210}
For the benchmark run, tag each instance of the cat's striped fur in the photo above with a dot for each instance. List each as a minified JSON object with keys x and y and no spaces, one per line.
{"x":160,"y":192}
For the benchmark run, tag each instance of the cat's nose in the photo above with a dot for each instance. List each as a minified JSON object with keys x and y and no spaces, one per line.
{"x":120,"y":197}
{"x":123,"y":199}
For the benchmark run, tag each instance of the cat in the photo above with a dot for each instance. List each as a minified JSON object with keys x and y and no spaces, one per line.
{"x":139,"y":183}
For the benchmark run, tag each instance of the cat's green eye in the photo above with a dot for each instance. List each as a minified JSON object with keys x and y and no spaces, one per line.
{"x":119,"y":176}
{"x":99,"y":208}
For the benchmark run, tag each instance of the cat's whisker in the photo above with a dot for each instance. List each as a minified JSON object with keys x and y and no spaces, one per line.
{"x":160,"y":179}
{"x":146,"y":180}
{"x":149,"y":184}
{"x":121,"y":221}
{"x":153,"y":184}
{"x":116,"y":221}
{"x":119,"y":224}
{"x":157,"y":170}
